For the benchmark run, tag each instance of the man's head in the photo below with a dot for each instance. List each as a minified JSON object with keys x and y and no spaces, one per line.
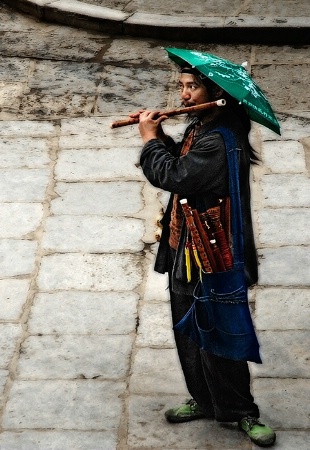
{"x":196,"y":89}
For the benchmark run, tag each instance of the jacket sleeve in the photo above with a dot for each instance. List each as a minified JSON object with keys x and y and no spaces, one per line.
{"x":202,"y":169}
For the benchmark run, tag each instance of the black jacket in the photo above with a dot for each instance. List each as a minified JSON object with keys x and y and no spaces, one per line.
{"x":201,"y":177}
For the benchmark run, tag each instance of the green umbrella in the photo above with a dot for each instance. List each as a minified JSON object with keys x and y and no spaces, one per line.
{"x":234,"y":79}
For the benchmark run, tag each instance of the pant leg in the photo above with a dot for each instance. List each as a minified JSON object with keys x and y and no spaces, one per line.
{"x":190,"y":357}
{"x":229,"y":385}
{"x":220,"y":386}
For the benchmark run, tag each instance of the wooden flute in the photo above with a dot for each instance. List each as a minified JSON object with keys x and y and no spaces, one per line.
{"x":190,"y":221}
{"x":171,"y":113}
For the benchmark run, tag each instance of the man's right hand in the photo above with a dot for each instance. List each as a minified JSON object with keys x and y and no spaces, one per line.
{"x":150,"y":126}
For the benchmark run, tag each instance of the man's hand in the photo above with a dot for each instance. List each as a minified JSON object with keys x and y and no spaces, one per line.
{"x":150,"y":126}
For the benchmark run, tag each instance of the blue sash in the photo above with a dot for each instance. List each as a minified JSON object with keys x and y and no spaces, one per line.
{"x":219,"y":320}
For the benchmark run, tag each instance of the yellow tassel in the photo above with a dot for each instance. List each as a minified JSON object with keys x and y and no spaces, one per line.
{"x":196,"y":257}
{"x":188,"y":265}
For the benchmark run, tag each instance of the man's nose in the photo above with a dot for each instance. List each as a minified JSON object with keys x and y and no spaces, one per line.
{"x":185,"y":93}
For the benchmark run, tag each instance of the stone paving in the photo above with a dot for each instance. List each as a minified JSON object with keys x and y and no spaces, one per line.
{"x":261,"y":21}
{"x":87,"y":355}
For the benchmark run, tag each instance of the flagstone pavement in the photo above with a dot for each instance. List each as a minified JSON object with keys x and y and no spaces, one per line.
{"x":87,"y":355}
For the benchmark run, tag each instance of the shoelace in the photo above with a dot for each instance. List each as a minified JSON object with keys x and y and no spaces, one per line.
{"x":252,"y":421}
{"x":192,"y":403}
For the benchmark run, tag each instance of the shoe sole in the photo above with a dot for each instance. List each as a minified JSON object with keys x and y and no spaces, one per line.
{"x":263,"y":444}
{"x":184,"y":419}
{"x":256,"y":442}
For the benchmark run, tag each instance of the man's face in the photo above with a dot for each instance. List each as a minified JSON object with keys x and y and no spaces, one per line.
{"x":192,"y":91}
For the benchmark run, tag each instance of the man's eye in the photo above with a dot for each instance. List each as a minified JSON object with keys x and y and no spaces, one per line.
{"x":191,"y":87}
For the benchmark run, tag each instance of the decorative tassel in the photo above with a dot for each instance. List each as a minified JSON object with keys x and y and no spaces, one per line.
{"x":188,"y":263}
{"x":196,"y":256}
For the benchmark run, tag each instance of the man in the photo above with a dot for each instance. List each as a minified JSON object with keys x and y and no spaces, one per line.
{"x":196,"y":169}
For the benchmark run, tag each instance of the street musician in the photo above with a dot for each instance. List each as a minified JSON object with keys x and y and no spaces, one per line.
{"x":196,"y":169}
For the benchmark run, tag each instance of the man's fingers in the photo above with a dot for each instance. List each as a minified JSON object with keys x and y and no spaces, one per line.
{"x":161,"y":119}
{"x":145,"y":113}
{"x":136,"y":114}
{"x":150,"y":114}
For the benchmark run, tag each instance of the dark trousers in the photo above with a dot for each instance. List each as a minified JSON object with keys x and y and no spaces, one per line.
{"x":220,"y":386}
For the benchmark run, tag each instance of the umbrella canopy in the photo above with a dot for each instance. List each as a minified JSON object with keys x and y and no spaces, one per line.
{"x":234,"y":79}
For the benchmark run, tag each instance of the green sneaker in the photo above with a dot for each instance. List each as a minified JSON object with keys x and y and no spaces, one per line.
{"x":259,"y":433}
{"x":186,"y":412}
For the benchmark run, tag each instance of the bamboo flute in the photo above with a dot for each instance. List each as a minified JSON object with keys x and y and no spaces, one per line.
{"x":191,"y":225}
{"x":205,"y":240}
{"x":171,"y":113}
